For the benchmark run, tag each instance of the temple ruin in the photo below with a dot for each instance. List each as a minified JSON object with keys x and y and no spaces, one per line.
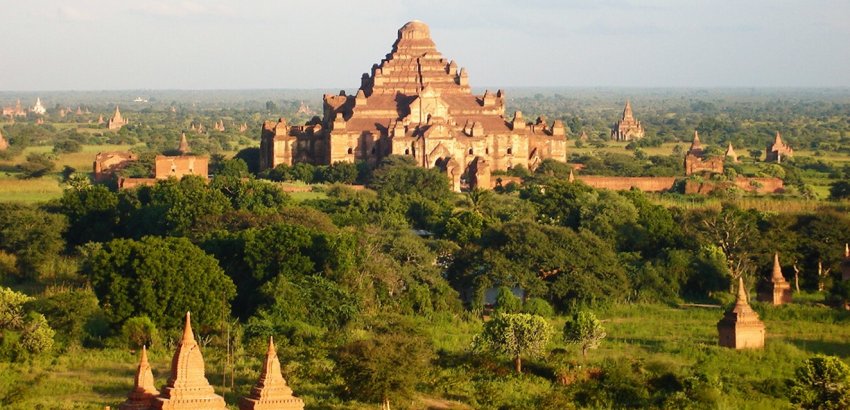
{"x":627,"y":128}
{"x":417,"y":104}
{"x":777,"y":150}
{"x":108,"y":164}
{"x":697,"y":160}
{"x":741,"y":327}
{"x":778,"y":290}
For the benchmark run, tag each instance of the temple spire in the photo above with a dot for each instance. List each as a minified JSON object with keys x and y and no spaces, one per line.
{"x":778,"y":139}
{"x":184,"y":144}
{"x":271,"y":390}
{"x":144,"y":392}
{"x":187,"y":387}
{"x":696,"y":143}
{"x":627,"y":111}
{"x":777,"y":269}
{"x":846,"y":251}
{"x":742,"y":292}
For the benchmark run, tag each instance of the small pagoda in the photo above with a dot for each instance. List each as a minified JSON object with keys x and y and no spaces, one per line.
{"x":741,"y":327}
{"x":188,"y":387}
{"x":778,"y":290}
{"x":144,"y":392}
{"x":845,"y":264}
{"x":271,"y":391}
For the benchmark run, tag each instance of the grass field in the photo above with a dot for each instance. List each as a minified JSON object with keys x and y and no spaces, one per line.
{"x":657,"y":336}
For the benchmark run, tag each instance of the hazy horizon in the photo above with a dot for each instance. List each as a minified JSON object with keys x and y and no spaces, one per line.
{"x":94,"y":45}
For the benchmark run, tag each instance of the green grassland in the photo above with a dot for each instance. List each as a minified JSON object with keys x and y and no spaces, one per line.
{"x":655,"y":338}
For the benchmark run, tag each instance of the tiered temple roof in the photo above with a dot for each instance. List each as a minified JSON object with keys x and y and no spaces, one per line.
{"x":144,"y":392}
{"x":627,"y":128}
{"x":271,"y":391}
{"x":187,"y":387}
{"x":416,"y":103}
{"x":117,"y":121}
{"x":741,"y":327}
{"x":778,"y":290}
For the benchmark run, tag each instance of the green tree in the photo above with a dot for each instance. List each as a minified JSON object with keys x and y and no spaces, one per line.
{"x":92,"y":213}
{"x":387,"y":366}
{"x":506,"y":301}
{"x":839,"y":190}
{"x":36,"y":335}
{"x":161,"y":278}
{"x":822,"y":383}
{"x":139,"y":331}
{"x":539,"y":307}
{"x":12,"y":308}
{"x":516,"y":335}
{"x":585,"y":330}
{"x":34,"y":236}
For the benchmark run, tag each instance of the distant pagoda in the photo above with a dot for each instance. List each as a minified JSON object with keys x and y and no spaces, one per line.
{"x":778,"y":290}
{"x":741,"y":327}
{"x":271,"y":391}
{"x":730,"y":153}
{"x":117,"y":121}
{"x":627,"y":128}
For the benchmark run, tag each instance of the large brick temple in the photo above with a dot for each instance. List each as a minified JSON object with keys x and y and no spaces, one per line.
{"x":416,"y":103}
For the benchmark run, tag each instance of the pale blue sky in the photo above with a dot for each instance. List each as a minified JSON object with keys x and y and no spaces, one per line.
{"x":218,"y":44}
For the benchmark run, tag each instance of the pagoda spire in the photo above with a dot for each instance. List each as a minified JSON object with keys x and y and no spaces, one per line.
{"x":117,"y":116}
{"x":627,"y":112}
{"x":271,"y":390}
{"x":777,"y":269}
{"x":144,"y":392}
{"x":696,"y":143}
{"x":187,"y":387}
{"x":184,"y":144}
{"x":778,"y":291}
{"x":742,"y":293}
{"x":846,"y":251}
{"x":572,"y":177}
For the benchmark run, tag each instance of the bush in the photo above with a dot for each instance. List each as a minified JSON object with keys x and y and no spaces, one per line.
{"x":66,"y":146}
{"x":506,"y":302}
{"x":538,"y":306}
{"x":822,"y":382}
{"x":139,"y":331}
{"x":36,"y":165}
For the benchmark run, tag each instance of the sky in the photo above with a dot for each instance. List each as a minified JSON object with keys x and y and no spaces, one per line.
{"x":262,"y":44}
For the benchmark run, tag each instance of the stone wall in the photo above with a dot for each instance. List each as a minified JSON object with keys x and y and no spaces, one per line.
{"x":757,"y":185}
{"x":646,"y":184}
